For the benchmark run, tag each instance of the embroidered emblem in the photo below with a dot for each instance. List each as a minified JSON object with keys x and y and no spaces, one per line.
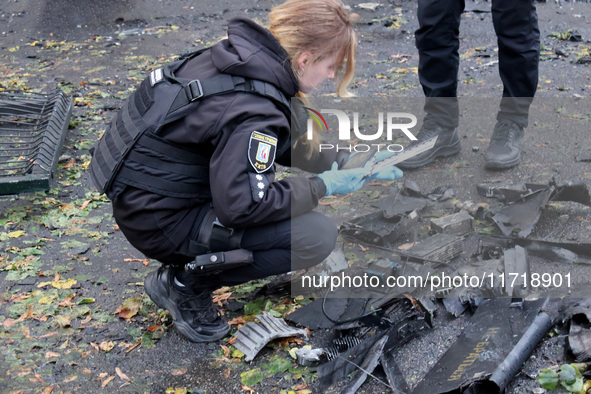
{"x":261,"y":151}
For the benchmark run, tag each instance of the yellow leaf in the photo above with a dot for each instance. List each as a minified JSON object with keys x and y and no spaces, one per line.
{"x":16,"y":234}
{"x":46,"y":300}
{"x":64,"y":284}
{"x":14,"y":49}
{"x":173,"y":27}
{"x":106,"y":346}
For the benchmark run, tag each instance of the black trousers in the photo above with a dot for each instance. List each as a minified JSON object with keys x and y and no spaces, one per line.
{"x":277,"y":247}
{"x":437,"y":40}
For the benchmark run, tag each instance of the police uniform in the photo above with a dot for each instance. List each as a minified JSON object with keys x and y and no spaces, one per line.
{"x":240,"y":136}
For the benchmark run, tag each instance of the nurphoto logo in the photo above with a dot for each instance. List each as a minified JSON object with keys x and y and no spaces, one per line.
{"x":388,"y":124}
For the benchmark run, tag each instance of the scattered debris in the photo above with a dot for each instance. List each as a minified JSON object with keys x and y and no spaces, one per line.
{"x":455,"y":224}
{"x":252,"y":337}
{"x":579,"y":337}
{"x":491,"y":349}
{"x":33,"y":128}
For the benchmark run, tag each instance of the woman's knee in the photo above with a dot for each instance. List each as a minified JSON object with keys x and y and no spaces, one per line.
{"x":313,"y":236}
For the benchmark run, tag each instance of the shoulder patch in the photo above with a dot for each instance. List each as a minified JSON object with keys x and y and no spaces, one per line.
{"x":261,"y":151}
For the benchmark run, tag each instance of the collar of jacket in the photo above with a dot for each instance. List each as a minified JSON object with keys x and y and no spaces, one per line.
{"x":251,"y":51}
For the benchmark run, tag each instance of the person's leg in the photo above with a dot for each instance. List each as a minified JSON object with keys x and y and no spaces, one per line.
{"x":518,"y":35}
{"x":437,"y":41}
{"x":516,"y":26}
{"x":284,"y":246}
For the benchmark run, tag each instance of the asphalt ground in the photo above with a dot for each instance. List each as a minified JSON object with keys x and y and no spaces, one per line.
{"x":98,"y":51}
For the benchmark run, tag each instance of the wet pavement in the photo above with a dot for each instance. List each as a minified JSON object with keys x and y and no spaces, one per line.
{"x":97,"y":51}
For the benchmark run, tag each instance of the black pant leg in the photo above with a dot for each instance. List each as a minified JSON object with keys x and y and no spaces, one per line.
{"x":437,"y":41}
{"x":284,"y":246}
{"x":518,"y":35}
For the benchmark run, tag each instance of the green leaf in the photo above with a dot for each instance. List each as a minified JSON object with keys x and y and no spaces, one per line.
{"x":252,"y":377}
{"x":549,"y":379}
{"x":571,"y":378}
{"x":568,"y":374}
{"x":278,"y":365}
{"x":86,"y":301}
{"x":254,"y":307}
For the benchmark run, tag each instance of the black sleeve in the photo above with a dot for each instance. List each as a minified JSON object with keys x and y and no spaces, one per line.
{"x":244,"y":190}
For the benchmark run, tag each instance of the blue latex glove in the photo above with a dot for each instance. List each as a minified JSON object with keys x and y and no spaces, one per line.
{"x":387,"y":174}
{"x":343,"y":181}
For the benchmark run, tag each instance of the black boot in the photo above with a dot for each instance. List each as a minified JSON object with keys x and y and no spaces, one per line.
{"x":448,"y":144}
{"x":504,"y":150}
{"x":191,"y":308}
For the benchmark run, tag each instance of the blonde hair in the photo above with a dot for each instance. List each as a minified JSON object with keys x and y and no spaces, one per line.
{"x":322,"y":27}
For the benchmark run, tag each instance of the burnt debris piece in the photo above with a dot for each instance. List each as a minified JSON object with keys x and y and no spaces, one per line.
{"x":574,"y":190}
{"x":252,"y":337}
{"x":491,"y":349}
{"x":459,"y":223}
{"x":33,"y":128}
{"x":439,"y":248}
{"x":579,"y":338}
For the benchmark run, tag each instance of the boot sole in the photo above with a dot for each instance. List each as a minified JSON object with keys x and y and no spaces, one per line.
{"x":498,"y":165}
{"x":443,"y":151}
{"x":160,"y":298}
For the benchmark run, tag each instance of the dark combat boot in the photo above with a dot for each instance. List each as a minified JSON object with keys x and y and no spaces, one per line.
{"x":448,"y":144}
{"x":192,"y":309}
{"x":504,"y":150}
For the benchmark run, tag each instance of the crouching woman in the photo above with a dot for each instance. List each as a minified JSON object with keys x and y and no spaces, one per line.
{"x":202,"y":181}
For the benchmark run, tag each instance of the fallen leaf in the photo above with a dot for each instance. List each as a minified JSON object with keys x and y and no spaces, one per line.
{"x":85,"y":204}
{"x":246,"y":388}
{"x":177,"y":372}
{"x":48,"y":390}
{"x":106,"y":346}
{"x":237,"y":321}
{"x":226,"y":350}
{"x":8,"y":323}
{"x":62,"y":321}
{"x":121,"y":374}
{"x":129,"y":308}
{"x":16,"y":234}
{"x":52,"y":354}
{"x":107,"y":381}
{"x":71,"y":379}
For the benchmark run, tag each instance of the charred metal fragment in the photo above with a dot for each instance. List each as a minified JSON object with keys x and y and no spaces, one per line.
{"x":336,"y":370}
{"x":377,"y":229}
{"x":574,"y":190}
{"x":491,"y":349}
{"x":397,"y":204}
{"x":368,"y":365}
{"x":459,"y":223}
{"x":438,"y":248}
{"x":393,"y":374}
{"x":252,"y":337}
{"x":579,"y":338}
{"x":516,"y":271}
{"x":518,"y":219}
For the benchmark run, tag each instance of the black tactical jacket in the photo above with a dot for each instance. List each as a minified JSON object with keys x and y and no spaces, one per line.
{"x":242,"y":133}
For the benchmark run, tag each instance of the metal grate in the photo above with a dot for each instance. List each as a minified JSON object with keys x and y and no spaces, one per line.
{"x":32,"y":132}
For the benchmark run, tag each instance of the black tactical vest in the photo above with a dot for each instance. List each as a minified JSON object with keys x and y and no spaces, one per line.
{"x":131,"y":150}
